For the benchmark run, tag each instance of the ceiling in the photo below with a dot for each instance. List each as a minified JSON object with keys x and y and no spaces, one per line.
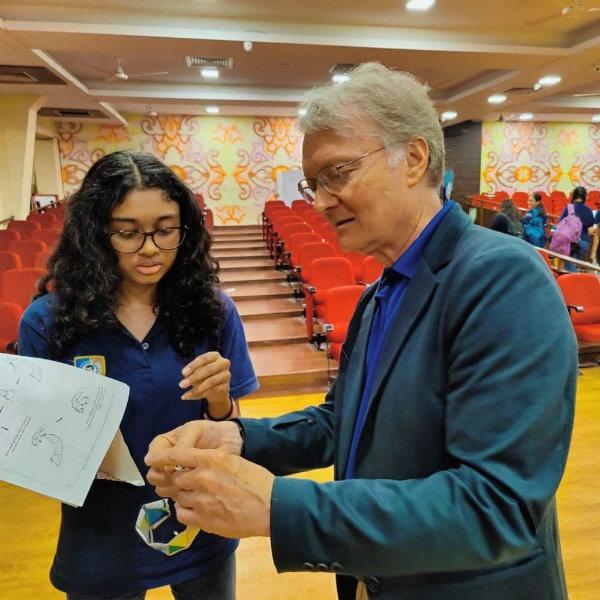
{"x":465,"y":50}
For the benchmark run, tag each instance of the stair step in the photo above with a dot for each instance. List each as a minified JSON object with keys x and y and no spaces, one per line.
{"x":242,"y":265}
{"x":256,"y":291}
{"x":268,"y":309}
{"x":237,"y":229}
{"x":251,"y":276}
{"x":237,"y":238}
{"x":241,"y":254}
{"x":295,"y":366}
{"x":278,"y":331}
{"x":218,"y":246}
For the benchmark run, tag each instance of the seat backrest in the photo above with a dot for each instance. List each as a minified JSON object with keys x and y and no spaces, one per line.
{"x":316,"y":220}
{"x":50,"y":237}
{"x":275,"y":208}
{"x":24,"y":228}
{"x":298,"y":239}
{"x":372,"y":269}
{"x":309,"y":252}
{"x":593,"y":199}
{"x":326,"y":273}
{"x":326,"y":230}
{"x":582,"y":289}
{"x":10,"y":260}
{"x":40,"y":260}
{"x":10,"y":316}
{"x":27,"y":250}
{"x":289,"y":229}
{"x":7,"y":236}
{"x":299,"y":202}
{"x":520,"y":199}
{"x":19,"y":286}
{"x":340,"y":303}
{"x":46,"y":220}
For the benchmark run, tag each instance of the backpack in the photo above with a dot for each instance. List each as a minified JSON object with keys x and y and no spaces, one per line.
{"x":567,"y":232}
{"x":534,"y":228}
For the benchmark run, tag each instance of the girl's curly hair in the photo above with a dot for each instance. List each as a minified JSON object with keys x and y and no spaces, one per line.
{"x":84,"y":274}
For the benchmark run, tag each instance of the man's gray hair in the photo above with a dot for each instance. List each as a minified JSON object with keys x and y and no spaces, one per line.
{"x":396,"y":103}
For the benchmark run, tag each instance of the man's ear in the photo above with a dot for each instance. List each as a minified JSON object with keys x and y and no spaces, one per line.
{"x":417,"y":161}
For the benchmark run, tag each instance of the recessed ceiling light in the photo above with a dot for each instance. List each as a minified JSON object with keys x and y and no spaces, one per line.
{"x":596,"y":118}
{"x":301,"y":111}
{"x":548,"y":80}
{"x":340,"y":77}
{"x":525,"y":116}
{"x":537,"y":86}
{"x":448,"y":115}
{"x":419,"y":4}
{"x":497,"y":99}
{"x":212,"y":110}
{"x":209,"y":72}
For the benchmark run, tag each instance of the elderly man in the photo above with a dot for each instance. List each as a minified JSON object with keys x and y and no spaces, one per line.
{"x":449,"y":422}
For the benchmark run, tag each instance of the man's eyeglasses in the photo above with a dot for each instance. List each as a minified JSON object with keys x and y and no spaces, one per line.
{"x":128,"y":241}
{"x":332,"y":178}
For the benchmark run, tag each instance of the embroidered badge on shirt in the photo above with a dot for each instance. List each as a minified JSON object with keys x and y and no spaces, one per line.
{"x":94,"y":364}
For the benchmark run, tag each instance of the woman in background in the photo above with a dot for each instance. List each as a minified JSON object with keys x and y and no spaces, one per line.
{"x":534,"y":222}
{"x":508,"y":220}
{"x":580,"y":249}
{"x":130,"y":294}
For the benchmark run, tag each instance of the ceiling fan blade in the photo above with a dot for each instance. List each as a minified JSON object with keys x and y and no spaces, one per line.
{"x":148,"y":74}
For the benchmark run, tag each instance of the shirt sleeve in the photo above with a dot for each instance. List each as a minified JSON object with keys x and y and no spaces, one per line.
{"x":234,"y":347}
{"x":33,"y":339}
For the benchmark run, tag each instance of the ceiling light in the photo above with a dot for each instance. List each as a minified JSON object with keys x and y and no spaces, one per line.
{"x":548,"y":80}
{"x":247,"y":45}
{"x":596,"y":118}
{"x":212,"y":110}
{"x":537,"y":86}
{"x":301,"y":111}
{"x":340,"y":77}
{"x":448,"y":115}
{"x":419,"y":4}
{"x":497,"y":99}
{"x":209,"y":72}
{"x":525,"y":116}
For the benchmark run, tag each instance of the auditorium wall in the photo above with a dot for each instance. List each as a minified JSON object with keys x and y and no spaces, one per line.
{"x":530,"y":156}
{"x":232,"y":161}
{"x":463,"y":156}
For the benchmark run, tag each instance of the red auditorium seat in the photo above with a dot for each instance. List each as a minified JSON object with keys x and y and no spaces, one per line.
{"x":10,"y":260}
{"x":357,"y":261}
{"x":296,"y":241}
{"x":325,"y":273}
{"x":338,"y":308}
{"x":593,"y":199}
{"x":27,"y":249}
{"x":285,"y":232}
{"x":209,"y":220}
{"x":10,"y":316}
{"x":372,"y":269}
{"x":520,"y":199}
{"x":50,"y":237}
{"x":46,"y":220}
{"x":7,"y":236}
{"x":309,"y":252}
{"x":19,"y":285}
{"x":40,"y":259}
{"x":583,"y":289}
{"x":24,"y":228}
{"x":299,"y":202}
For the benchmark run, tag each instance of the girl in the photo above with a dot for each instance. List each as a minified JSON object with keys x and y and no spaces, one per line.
{"x":130,"y":294}
{"x":508,"y":219}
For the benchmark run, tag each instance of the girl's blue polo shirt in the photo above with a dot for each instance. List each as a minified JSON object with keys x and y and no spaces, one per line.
{"x":99,"y":550}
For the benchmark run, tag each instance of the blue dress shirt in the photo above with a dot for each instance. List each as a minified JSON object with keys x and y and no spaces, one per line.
{"x":388,"y":299}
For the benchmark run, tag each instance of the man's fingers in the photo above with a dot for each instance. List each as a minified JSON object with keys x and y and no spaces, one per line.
{"x":160,"y":477}
{"x":186,"y":458}
{"x":195,"y":435}
{"x":165,"y":440}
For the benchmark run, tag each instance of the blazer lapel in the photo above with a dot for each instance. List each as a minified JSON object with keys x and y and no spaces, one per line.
{"x":353,"y":386}
{"x":416,"y":297}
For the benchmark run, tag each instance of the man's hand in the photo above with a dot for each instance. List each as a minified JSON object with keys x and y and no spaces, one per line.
{"x":215,"y":491}
{"x":224,"y":436}
{"x":208,"y":376}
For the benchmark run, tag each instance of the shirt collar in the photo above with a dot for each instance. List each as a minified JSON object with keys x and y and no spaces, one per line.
{"x":406,"y":265}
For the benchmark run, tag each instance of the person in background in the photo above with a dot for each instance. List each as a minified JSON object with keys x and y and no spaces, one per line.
{"x":580,"y":250}
{"x":508,"y":220}
{"x":534,"y":222}
{"x":130,"y":294}
{"x":449,"y":422}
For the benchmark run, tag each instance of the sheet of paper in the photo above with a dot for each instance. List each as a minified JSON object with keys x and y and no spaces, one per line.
{"x":118,"y":465}
{"x":56,"y":425}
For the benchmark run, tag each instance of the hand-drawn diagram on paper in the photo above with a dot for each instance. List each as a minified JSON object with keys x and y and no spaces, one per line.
{"x":56,"y":425}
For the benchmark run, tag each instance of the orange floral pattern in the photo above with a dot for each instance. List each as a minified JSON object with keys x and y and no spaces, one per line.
{"x":232,"y":162}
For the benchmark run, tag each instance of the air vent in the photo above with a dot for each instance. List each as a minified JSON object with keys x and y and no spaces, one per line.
{"x":343,"y":67}
{"x":28,"y":75}
{"x":71,"y":113}
{"x":202,"y":61}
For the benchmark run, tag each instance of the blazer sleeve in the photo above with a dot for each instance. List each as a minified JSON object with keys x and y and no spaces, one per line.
{"x":511,"y":371}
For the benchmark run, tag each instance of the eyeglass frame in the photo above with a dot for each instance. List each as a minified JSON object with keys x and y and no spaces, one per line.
{"x":148,"y":234}
{"x":302,"y":188}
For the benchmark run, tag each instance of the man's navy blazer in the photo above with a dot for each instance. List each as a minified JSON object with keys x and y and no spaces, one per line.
{"x":465,"y":439}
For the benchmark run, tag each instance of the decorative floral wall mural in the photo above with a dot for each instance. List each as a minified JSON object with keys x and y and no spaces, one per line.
{"x":529,"y":157}
{"x":233,"y":162}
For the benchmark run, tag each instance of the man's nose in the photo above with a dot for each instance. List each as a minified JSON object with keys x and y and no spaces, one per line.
{"x":324,"y":200}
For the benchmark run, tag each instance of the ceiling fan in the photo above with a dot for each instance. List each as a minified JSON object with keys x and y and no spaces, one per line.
{"x":119,"y":74}
{"x":574,"y":9}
